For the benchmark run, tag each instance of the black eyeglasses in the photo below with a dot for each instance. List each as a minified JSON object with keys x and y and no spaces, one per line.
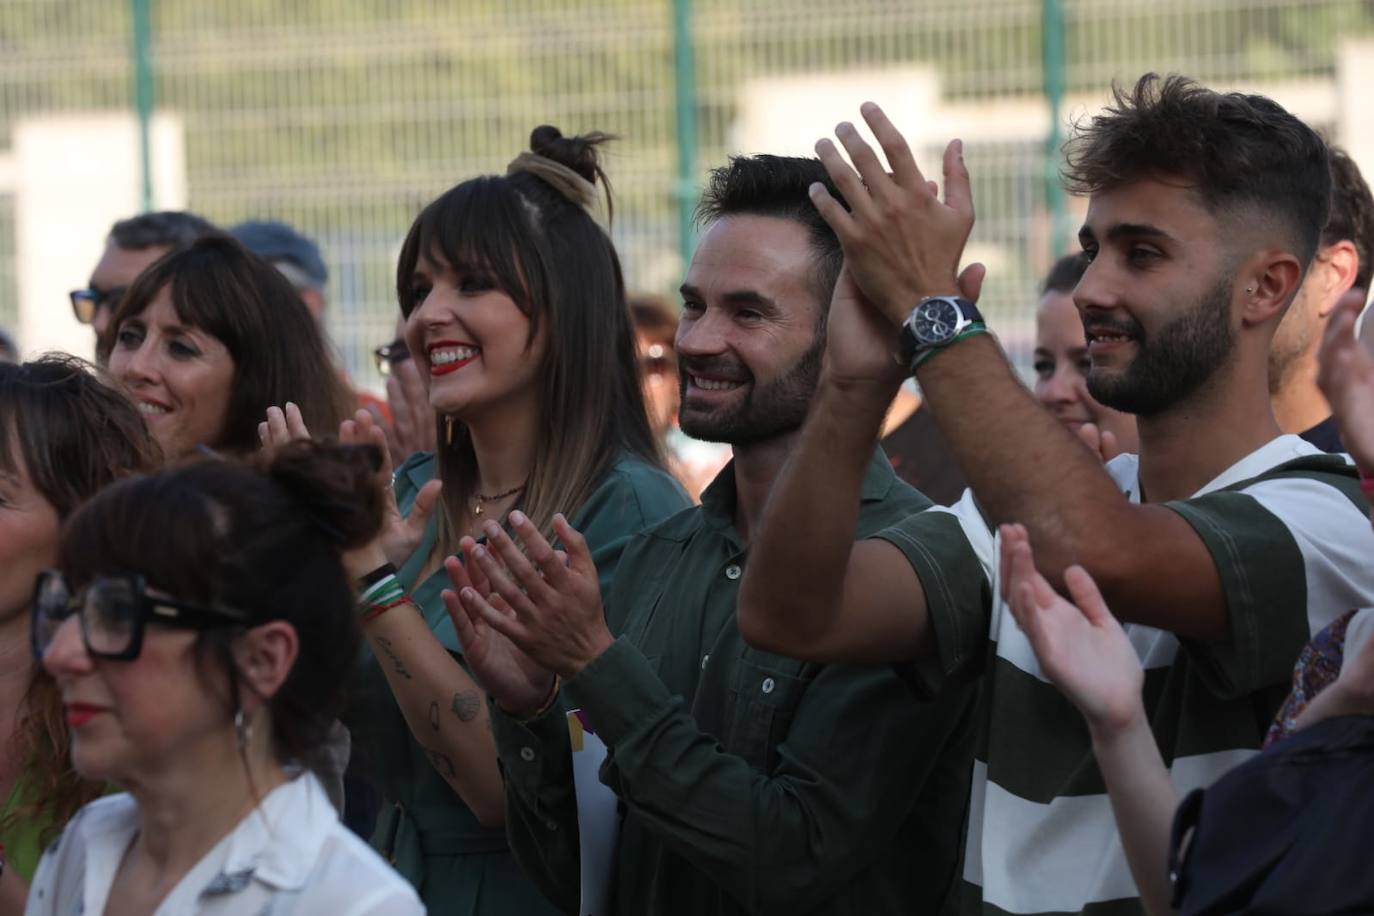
{"x":113,"y":612}
{"x":86,"y":302}
{"x":388,"y":355}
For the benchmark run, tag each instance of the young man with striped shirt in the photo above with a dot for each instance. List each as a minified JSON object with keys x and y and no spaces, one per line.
{"x":1224,"y":544}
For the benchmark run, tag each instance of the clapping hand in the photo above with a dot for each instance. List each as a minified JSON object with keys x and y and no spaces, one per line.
{"x":1346,"y":378}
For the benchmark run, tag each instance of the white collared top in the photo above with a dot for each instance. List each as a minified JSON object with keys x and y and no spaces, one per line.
{"x":290,"y":856}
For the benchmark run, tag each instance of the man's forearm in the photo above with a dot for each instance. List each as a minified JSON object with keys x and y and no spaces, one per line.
{"x":797,"y":561}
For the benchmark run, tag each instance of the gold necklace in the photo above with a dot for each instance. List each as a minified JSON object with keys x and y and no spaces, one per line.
{"x":479,"y":499}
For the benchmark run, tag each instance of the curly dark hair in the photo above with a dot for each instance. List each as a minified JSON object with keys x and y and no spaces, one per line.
{"x":1236,"y":151}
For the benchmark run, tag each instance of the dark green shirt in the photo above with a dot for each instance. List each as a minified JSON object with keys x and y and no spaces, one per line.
{"x":433,"y":838}
{"x":748,"y":782}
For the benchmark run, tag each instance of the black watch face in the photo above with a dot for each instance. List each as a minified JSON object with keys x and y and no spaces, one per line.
{"x":936,"y":321}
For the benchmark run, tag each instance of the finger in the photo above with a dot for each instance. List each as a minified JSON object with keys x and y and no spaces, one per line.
{"x":1090,"y":436}
{"x":1007,"y":540}
{"x":1111,"y":446}
{"x":840,"y":221}
{"x":517,"y":564}
{"x":423,"y":507}
{"x":457,"y":573}
{"x":468,"y":636}
{"x":295,"y":423}
{"x":845,"y":179}
{"x":502,"y":583}
{"x":971,"y":281}
{"x":540,"y":552}
{"x":1085,"y":593}
{"x":348,"y":432}
{"x":507,"y":625}
{"x":474,"y":571}
{"x":263,"y":433}
{"x":579,"y":555}
{"x":867,"y":163}
{"x":898,"y":152}
{"x":958,"y":188}
{"x":276,"y":426}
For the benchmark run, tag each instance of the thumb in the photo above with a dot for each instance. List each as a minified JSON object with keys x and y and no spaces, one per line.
{"x":971,"y":281}
{"x":423,"y":508}
{"x":1085,"y":593}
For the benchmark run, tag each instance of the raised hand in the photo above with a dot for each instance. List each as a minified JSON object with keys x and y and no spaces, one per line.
{"x":517,"y":683}
{"x":1101,"y":442}
{"x":1346,"y":378}
{"x":901,"y":243}
{"x":412,"y":419}
{"x":1079,"y":644}
{"x":552,"y":606}
{"x":400,"y":535}
{"x":282,"y":426}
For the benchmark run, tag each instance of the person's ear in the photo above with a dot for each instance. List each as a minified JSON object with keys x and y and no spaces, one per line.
{"x":265,"y":655}
{"x":1341,"y":262}
{"x":1267,"y":284}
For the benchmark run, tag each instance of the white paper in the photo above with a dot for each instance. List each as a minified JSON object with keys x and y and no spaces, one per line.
{"x":598,"y":827}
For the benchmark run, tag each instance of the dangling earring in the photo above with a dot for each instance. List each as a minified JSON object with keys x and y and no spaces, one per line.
{"x":243,"y":729}
{"x":448,"y":430}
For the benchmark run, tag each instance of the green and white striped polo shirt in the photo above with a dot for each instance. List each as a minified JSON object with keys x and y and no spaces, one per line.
{"x":1289,"y":532}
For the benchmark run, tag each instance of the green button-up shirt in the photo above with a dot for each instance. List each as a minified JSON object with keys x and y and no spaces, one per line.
{"x":748,"y":782}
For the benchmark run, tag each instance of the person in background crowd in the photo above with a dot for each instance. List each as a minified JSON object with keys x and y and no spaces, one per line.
{"x":1089,"y":657}
{"x":1224,"y":543}
{"x":1062,"y":366}
{"x":298,"y":259}
{"x":737,"y":771}
{"x":1344,"y":260}
{"x":63,"y":436}
{"x":9,"y":350}
{"x":692,"y":461}
{"x":208,"y":338}
{"x":196,"y":625}
{"x":133,"y":244}
{"x":515,"y":310}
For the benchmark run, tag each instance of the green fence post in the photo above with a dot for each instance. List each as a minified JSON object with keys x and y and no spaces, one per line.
{"x":143,"y":95}
{"x":686,"y":105}
{"x":1052,"y":61}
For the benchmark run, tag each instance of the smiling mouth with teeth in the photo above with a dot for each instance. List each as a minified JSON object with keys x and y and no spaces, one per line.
{"x":155,"y":409}
{"x":711,"y":384}
{"x":445,"y":359}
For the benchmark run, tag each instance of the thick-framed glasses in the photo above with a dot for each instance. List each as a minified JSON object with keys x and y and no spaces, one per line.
{"x":388,"y":355}
{"x":86,"y":302}
{"x":113,"y":612}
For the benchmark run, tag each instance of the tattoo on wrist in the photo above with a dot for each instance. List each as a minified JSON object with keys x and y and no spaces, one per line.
{"x":434,"y":715}
{"x":441,"y":763}
{"x":466,"y":705}
{"x":397,"y":665}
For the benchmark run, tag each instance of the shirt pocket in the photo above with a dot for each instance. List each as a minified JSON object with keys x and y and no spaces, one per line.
{"x":765,"y":697}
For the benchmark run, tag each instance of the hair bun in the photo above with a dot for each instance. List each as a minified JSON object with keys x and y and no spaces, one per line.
{"x":335,"y":485}
{"x":578,"y":153}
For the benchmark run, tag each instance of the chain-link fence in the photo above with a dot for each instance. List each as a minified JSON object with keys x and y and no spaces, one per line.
{"x":343,"y":117}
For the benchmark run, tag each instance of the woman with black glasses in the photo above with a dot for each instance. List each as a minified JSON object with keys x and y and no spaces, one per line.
{"x":196,"y":626}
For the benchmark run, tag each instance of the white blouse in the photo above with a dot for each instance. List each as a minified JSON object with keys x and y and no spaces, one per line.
{"x":290,"y":856}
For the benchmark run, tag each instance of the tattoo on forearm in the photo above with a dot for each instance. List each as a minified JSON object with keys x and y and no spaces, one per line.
{"x":441,"y":763}
{"x":434,"y":715}
{"x":397,"y":665}
{"x":466,"y":705}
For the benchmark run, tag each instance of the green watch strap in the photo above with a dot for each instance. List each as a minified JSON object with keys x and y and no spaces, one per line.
{"x":973,"y":329}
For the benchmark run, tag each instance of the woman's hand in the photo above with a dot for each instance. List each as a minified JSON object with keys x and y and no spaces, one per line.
{"x":400,"y":535}
{"x":1346,"y":378}
{"x":1079,"y":644}
{"x":282,"y":426}
{"x":517,"y":683}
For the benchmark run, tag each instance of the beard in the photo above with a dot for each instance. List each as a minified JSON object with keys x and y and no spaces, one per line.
{"x":766,"y":411}
{"x":1174,"y":361}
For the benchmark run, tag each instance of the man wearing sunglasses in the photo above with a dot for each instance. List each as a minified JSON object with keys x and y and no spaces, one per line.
{"x":132,"y":245}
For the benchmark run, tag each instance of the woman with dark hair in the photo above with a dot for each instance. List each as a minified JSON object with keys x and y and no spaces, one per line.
{"x":208,"y":337}
{"x":63,"y":436}
{"x":516,"y":318}
{"x":196,"y":626}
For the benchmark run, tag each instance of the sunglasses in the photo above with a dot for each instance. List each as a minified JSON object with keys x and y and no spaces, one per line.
{"x":113,"y":612}
{"x":86,"y":302}
{"x":388,"y":355}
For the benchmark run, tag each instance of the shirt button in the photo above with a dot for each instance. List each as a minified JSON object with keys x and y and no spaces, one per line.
{"x":732,"y":571}
{"x":527,"y":754}
{"x":704,"y":659}
{"x":551,"y":824}
{"x":768,"y":685}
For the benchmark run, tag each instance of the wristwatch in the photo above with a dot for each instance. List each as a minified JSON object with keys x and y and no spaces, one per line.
{"x":935,"y":323}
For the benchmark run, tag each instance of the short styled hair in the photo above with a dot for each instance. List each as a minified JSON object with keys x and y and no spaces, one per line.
{"x":1352,"y":213}
{"x":170,"y":228}
{"x":1236,"y":151}
{"x":778,"y":186}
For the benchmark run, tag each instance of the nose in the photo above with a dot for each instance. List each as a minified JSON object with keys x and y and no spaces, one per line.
{"x":139,"y":365}
{"x":704,"y":334}
{"x":66,"y":654}
{"x":100,"y":320}
{"x":1096,"y":288}
{"x":1060,"y":388}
